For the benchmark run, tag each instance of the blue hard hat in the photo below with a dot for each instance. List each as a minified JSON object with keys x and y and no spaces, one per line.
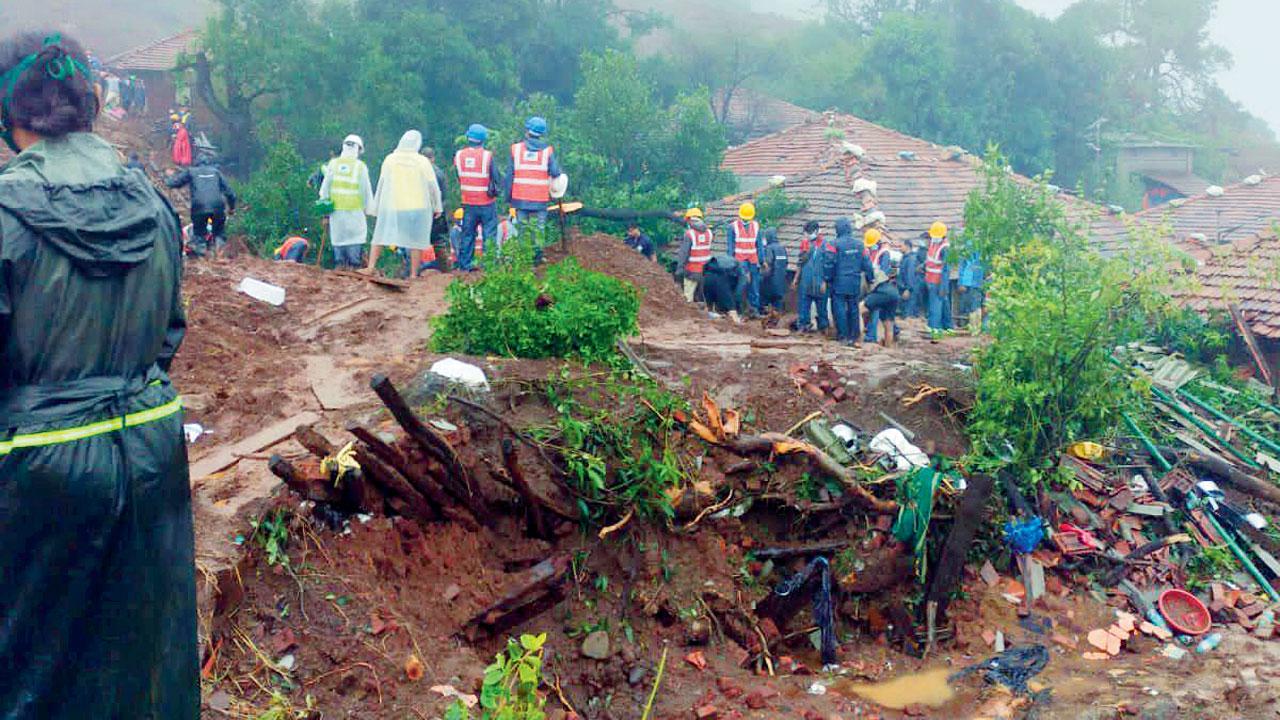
{"x":477,"y":133}
{"x":536,"y":125}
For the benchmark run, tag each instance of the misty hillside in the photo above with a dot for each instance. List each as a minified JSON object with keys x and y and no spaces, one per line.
{"x":119,"y":25}
{"x":106,"y":27}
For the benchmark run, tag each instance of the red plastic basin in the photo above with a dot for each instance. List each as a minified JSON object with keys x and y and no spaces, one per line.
{"x":1184,"y":612}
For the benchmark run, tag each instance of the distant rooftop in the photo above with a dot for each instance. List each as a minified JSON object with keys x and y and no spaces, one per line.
{"x":161,"y":55}
{"x":1205,"y":220}
{"x":1245,"y":272}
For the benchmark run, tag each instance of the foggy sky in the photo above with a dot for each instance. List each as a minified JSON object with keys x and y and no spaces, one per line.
{"x":1247,"y":29}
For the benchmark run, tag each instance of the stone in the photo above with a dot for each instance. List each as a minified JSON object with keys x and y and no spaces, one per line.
{"x":757,"y":701}
{"x":697,"y":632}
{"x":596,"y":645}
{"x":696,"y":659}
{"x":451,"y":593}
{"x":707,"y":712}
{"x":636,"y":676}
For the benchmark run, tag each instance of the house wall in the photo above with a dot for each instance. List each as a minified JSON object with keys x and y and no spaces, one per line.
{"x":1158,"y":159}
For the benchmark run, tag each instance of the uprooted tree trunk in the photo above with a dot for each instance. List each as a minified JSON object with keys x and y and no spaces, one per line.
{"x":769,"y":444}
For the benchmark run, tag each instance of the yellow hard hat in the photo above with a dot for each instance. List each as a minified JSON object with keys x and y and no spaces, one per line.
{"x":871,"y":237}
{"x":692,"y":213}
{"x":937,"y":231}
{"x":511,"y":212}
{"x":457,"y":214}
{"x":747,"y":211}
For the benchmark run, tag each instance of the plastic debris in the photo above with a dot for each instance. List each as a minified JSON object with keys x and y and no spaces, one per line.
{"x":460,"y":373}
{"x":904,"y":455}
{"x":266,"y":292}
{"x":1012,"y":668}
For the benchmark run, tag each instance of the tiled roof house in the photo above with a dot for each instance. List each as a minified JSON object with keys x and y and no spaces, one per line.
{"x":844,"y":166}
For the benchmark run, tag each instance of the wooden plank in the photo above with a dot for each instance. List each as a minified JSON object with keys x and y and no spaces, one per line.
{"x":378,"y":280}
{"x":969,"y":517}
{"x":1251,"y":342}
{"x":227,"y":456}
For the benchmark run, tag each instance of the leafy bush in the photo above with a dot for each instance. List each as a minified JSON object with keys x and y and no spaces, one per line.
{"x":276,"y":202}
{"x":569,"y":312}
{"x":616,"y":438}
{"x":1057,"y":308}
{"x":510,"y":690}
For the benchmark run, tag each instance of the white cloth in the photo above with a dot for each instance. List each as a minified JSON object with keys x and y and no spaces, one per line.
{"x":408,"y":197}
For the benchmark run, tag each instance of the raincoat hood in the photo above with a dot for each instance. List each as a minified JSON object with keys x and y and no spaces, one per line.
{"x":844,"y":228}
{"x":74,"y":194}
{"x":410,"y":142}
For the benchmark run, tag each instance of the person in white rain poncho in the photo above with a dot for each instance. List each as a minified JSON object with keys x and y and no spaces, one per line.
{"x":347,"y":185}
{"x":408,"y":200}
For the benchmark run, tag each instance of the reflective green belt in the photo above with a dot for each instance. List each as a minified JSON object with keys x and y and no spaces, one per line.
{"x":66,"y":435}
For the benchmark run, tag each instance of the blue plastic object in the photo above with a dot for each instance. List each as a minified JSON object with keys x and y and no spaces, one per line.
{"x":1024,"y":536}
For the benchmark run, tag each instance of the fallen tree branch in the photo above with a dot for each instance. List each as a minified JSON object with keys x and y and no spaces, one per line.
{"x":534,"y":589}
{"x":537,"y":527}
{"x":1223,"y":470}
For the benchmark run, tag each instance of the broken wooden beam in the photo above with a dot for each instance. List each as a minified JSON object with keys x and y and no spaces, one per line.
{"x":422,"y":481}
{"x":1116,"y":574}
{"x":457,"y":479}
{"x":395,"y":484}
{"x":536,"y":525}
{"x":316,"y":489}
{"x":970,"y":514}
{"x":536,"y":590}
{"x":1223,"y":471}
{"x":314,"y":442}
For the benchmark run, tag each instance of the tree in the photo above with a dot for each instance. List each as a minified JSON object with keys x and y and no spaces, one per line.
{"x":1056,"y":310}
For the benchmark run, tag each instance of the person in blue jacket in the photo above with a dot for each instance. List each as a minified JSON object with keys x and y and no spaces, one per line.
{"x":815,"y":254}
{"x":972,"y":278}
{"x":911,"y":280}
{"x":844,"y":277}
{"x":773,"y":265}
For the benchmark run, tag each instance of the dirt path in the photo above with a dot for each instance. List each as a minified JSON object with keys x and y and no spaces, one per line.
{"x":251,"y":372}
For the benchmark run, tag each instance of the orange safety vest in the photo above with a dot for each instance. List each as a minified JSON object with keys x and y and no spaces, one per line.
{"x":699,"y":249}
{"x":530,"y":174}
{"x":473,"y":165}
{"x":933,"y":261}
{"x":744,"y":243}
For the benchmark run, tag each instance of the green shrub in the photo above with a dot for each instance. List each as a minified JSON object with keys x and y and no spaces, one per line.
{"x":276,"y":202}
{"x":569,"y":312}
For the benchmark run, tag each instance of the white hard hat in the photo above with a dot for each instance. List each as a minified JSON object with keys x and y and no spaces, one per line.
{"x":559,"y":186}
{"x":354,"y":140}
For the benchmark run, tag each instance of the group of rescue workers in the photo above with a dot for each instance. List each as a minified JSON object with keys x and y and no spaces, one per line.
{"x":408,"y":202}
{"x":835,"y":280}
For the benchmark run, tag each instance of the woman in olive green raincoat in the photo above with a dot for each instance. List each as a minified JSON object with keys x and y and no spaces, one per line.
{"x":97,"y":580}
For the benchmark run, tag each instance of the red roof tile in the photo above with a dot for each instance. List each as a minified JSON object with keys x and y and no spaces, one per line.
{"x":814,"y":144}
{"x":1246,"y":272}
{"x":1242,"y":211}
{"x":161,"y":55}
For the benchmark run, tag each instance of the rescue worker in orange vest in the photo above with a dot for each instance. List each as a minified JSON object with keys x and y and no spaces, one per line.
{"x":533,"y":167}
{"x":478,"y":181}
{"x":293,"y":249}
{"x":936,"y":280}
{"x":744,"y":243}
{"x":695,"y":251}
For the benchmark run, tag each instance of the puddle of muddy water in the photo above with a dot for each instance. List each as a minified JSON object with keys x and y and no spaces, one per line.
{"x":928,"y":688}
